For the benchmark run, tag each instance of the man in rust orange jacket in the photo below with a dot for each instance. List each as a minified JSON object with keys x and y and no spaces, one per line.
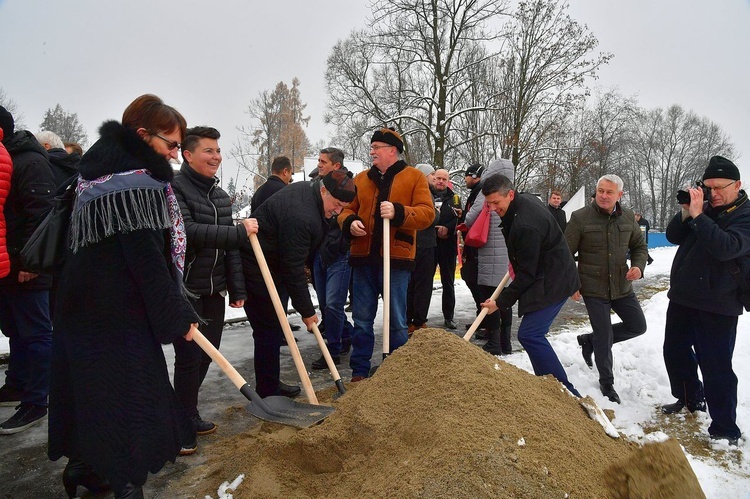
{"x":394,"y":190}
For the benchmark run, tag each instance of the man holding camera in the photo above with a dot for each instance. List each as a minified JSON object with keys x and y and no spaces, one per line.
{"x":709,"y":275}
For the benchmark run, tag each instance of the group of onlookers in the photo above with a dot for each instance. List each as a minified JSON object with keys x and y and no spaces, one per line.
{"x":154,"y":254}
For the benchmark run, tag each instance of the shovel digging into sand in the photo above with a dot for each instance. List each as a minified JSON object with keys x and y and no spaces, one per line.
{"x":329,"y":360}
{"x":281,"y":316}
{"x":595,"y":412}
{"x":276,"y":409}
{"x":386,"y":291}
{"x":483,"y":313}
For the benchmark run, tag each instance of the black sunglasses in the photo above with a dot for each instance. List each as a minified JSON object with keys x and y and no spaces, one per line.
{"x":171,"y":144}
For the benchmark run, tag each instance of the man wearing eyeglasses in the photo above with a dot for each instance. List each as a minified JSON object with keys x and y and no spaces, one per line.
{"x":394,"y":190}
{"x":602,"y":233}
{"x":709,"y":276}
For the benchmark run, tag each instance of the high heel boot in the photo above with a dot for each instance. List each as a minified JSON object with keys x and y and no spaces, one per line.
{"x":505,"y":344}
{"x":79,"y":473}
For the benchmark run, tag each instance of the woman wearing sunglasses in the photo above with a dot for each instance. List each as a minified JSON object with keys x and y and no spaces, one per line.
{"x":113,"y":411}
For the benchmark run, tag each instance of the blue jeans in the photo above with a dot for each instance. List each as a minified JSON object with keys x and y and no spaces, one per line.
{"x":532,"y":333}
{"x":368,"y":284}
{"x":332,"y":287}
{"x":24,"y":318}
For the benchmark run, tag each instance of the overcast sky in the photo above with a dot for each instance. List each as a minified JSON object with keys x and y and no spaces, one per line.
{"x":209,"y":59}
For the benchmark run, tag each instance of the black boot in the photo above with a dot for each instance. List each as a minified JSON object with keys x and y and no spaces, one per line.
{"x":79,"y":473}
{"x":129,"y":491}
{"x":493,"y":346}
{"x":505,"y":344}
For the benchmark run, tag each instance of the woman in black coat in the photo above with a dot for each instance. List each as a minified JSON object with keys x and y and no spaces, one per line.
{"x":112,"y":410}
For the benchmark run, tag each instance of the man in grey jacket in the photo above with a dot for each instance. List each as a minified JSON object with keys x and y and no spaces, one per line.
{"x":602,"y":233}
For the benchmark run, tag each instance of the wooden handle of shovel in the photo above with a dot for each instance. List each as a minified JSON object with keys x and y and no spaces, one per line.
{"x":386,"y":287}
{"x":281,"y":315}
{"x":329,"y":360}
{"x":483,"y":313}
{"x":217,"y":357}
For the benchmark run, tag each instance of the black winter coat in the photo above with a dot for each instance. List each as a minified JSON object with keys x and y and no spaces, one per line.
{"x":701,"y":275}
{"x":290,"y":228}
{"x":559,"y":215}
{"x":448,"y":217}
{"x":64,"y":165}
{"x":32,"y":188}
{"x":111,"y":402}
{"x":212,"y":261}
{"x":273,"y":185}
{"x":545,"y":272}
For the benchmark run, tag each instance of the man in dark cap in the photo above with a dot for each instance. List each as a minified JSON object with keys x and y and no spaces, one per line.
{"x":291,"y":225}
{"x":24,"y":295}
{"x":394,"y":190}
{"x":709,"y":277}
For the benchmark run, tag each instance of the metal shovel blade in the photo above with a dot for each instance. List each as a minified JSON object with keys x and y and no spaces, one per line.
{"x":282,"y":410}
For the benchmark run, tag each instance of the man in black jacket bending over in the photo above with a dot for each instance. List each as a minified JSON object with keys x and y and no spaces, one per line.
{"x":291,"y":225}
{"x":545,"y":273}
{"x":212,"y":264}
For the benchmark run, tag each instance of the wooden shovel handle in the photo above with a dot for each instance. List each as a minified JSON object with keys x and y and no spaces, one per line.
{"x":281,"y":315}
{"x":483,"y":312}
{"x":329,"y":359}
{"x":217,"y":357}
{"x":386,"y":287}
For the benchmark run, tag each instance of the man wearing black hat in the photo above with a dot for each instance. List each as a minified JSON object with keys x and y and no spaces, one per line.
{"x":394,"y":190}
{"x":24,"y":295}
{"x":291,"y":225}
{"x":710,"y":273}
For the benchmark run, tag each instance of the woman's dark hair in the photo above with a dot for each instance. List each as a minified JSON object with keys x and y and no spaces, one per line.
{"x":149,"y":111}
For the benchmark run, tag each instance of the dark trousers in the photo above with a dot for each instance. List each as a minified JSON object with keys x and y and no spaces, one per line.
{"x":24,"y":319}
{"x":190,"y":361}
{"x":695,"y":338}
{"x":445,"y":256}
{"x":502,"y":316}
{"x":470,"y":275}
{"x":419,"y":292}
{"x":532,"y":334}
{"x":606,"y":334}
{"x":267,"y":336}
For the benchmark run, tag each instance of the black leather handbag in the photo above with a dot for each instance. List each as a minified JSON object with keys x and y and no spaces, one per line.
{"x":46,"y":248}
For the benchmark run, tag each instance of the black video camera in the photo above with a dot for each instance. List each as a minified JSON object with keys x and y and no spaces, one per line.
{"x":683,"y":197}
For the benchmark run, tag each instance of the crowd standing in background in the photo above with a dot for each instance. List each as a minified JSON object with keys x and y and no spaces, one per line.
{"x":153,"y":254}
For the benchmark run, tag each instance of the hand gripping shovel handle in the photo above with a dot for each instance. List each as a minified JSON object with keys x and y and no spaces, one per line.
{"x":281,"y":315}
{"x":386,"y":287}
{"x":329,"y":360}
{"x":483,"y":313}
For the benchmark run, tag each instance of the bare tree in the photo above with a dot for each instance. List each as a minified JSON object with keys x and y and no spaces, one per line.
{"x":279,"y":119}
{"x":12,"y":107}
{"x":411,"y":70}
{"x":671,"y":149}
{"x":65,"y":125}
{"x":549,"y":60}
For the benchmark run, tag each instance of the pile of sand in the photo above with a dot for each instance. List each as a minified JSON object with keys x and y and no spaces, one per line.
{"x":440,"y":418}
